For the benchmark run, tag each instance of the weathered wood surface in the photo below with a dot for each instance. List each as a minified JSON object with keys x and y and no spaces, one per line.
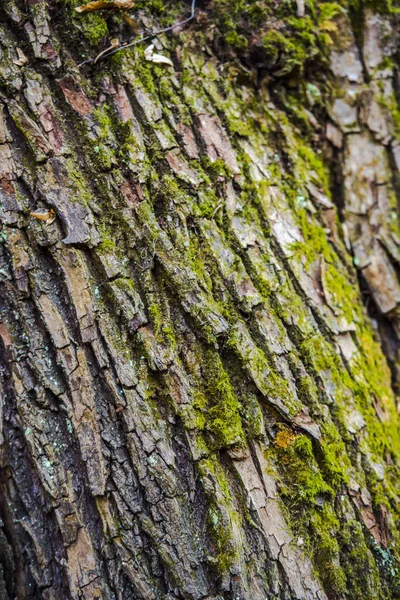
{"x":199,"y":355}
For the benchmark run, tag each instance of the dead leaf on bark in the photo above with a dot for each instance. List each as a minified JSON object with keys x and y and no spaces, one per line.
{"x":157,"y":58}
{"x":48,"y":217}
{"x":22,"y":60}
{"x":104,"y":5}
{"x":130,"y":22}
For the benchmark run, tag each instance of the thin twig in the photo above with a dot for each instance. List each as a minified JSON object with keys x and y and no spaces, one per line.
{"x":128,"y":43}
{"x":219,"y":206}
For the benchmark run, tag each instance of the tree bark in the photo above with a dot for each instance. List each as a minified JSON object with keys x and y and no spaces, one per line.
{"x":199,"y":308}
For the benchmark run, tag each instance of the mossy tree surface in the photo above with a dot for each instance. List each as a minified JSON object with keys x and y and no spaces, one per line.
{"x":200,"y":353}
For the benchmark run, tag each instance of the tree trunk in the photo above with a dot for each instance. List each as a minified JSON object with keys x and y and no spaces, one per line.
{"x":200,"y":303}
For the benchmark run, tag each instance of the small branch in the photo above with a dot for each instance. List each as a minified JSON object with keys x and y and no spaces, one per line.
{"x":219,"y":206}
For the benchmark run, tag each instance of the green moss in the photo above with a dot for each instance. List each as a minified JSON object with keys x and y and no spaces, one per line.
{"x":107,"y":244}
{"x":144,"y":72}
{"x":147,"y":217}
{"x":315,"y":243}
{"x":166,"y":90}
{"x":128,"y":146}
{"x":208,"y":204}
{"x":268,"y":380}
{"x":94,"y":29}
{"x":200,"y":410}
{"x":104,"y":153}
{"x":326,"y":550}
{"x":334,"y":461}
{"x":156,"y":317}
{"x":226,"y":554}
{"x":343,"y":295}
{"x":216,"y":168}
{"x":362,"y":575}
{"x":390,"y":105}
{"x":221,"y":517}
{"x":92,"y":25}
{"x":253,"y":420}
{"x":236,"y":40}
{"x":197,"y":259}
{"x":282,"y":41}
{"x":171,"y":191}
{"x":101,"y":114}
{"x":308,"y":498}
{"x":81,"y":191}
{"x":305,"y":483}
{"x":211,"y":466}
{"x":368,"y":383}
{"x":124,"y":284}
{"x":276,"y":44}
{"x":224,"y":421}
{"x":162,"y":326}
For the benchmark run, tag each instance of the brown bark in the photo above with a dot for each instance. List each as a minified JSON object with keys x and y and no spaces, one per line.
{"x":199,"y":353}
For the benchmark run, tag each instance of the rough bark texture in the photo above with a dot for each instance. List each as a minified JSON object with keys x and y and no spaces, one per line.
{"x":200,"y":352}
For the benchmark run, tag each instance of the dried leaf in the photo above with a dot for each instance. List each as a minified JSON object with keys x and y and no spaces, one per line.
{"x":130,"y":22}
{"x":157,"y":58}
{"x":114,"y":44}
{"x":104,"y":5}
{"x":22,"y":60}
{"x":48,"y":217}
{"x":149,"y":51}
